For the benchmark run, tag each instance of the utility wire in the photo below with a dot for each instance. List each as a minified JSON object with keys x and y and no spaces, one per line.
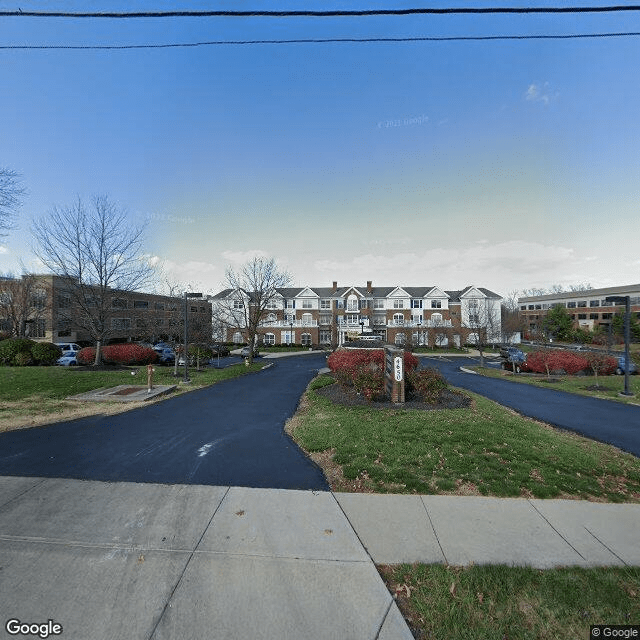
{"x":316,"y":14}
{"x":323,"y":40}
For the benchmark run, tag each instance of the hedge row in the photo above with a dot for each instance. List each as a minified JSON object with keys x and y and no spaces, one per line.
{"x":21,"y":352}
{"x":125,"y":354}
{"x":568,"y":362}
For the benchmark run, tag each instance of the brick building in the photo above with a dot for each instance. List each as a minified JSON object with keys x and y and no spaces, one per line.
{"x":42,"y":307}
{"x":400,"y":315}
{"x":588,"y":309}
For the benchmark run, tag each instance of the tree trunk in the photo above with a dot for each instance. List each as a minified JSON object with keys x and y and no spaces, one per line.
{"x":96,"y":362}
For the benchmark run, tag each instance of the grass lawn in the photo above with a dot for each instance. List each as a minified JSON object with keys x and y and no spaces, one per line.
{"x":611,"y":386}
{"x":36,"y":395}
{"x":498,"y":602}
{"x":483,"y":450}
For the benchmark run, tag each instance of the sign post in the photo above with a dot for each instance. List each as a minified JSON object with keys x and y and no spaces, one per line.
{"x":394,"y":373}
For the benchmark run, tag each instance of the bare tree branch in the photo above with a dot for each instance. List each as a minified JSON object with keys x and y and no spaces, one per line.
{"x":97,"y":251}
{"x":11,"y":194}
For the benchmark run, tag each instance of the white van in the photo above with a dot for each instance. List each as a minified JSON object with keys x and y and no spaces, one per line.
{"x":68,"y":346}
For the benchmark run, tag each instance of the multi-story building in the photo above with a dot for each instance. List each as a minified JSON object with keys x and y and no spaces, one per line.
{"x":588,"y":309}
{"x":400,"y":315}
{"x":43,"y":308}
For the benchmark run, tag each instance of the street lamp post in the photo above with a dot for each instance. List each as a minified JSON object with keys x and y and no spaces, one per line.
{"x":290,"y":332}
{"x":187,"y":295}
{"x":361,"y":327}
{"x":627,"y":323}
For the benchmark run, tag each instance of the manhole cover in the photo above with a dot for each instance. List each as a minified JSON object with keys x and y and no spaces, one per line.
{"x":125,"y":392}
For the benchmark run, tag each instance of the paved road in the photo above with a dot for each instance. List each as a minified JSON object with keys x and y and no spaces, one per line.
{"x":603,"y":420}
{"x":230,"y":434}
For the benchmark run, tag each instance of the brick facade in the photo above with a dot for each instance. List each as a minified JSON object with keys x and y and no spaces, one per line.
{"x":400,"y":315}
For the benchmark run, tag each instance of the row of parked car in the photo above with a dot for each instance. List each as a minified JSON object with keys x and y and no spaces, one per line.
{"x":166,"y":354}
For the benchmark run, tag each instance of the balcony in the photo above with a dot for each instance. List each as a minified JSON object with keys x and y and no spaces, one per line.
{"x":425,"y":324}
{"x":284,"y":324}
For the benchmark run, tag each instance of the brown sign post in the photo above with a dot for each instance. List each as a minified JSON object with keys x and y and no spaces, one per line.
{"x":394,"y":373}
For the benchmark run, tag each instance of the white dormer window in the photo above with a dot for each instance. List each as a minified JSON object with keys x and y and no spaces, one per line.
{"x":307,"y":304}
{"x":238,"y":304}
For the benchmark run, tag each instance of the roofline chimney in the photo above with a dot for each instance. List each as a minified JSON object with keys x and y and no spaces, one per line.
{"x":369,"y":287}
{"x":335,"y":286}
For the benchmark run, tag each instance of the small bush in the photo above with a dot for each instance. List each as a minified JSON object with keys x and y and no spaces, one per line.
{"x":12,"y":347}
{"x":427,"y":383}
{"x":86,"y":355}
{"x":45,"y":353}
{"x":363,"y":369}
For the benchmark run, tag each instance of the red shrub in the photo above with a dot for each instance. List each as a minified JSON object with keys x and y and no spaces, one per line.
{"x":555,"y":360}
{"x":363,"y":369}
{"x":127,"y":354}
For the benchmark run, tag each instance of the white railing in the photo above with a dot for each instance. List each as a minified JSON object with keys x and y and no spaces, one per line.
{"x":284,"y":323}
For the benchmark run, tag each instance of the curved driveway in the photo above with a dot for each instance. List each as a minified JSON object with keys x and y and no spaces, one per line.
{"x":604,"y":420}
{"x":230,"y":434}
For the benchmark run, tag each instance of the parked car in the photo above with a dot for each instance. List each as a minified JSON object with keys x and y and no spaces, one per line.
{"x":622,"y":363}
{"x":166,"y":356}
{"x":66,"y":347}
{"x":220,"y":350}
{"x":244,"y":353}
{"x":513,"y":354}
{"x":68,"y":358}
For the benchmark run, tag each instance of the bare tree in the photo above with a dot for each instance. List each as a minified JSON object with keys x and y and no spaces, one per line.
{"x":24,"y":303}
{"x":483,"y":324}
{"x":97,"y":251}
{"x":11,"y":194}
{"x":251,"y":289}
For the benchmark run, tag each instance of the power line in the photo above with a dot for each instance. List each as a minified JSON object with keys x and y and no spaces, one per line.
{"x":177,"y":45}
{"x":318,"y":14}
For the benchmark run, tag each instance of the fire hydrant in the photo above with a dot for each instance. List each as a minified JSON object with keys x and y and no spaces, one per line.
{"x":150,"y":371}
{"x":246,"y":362}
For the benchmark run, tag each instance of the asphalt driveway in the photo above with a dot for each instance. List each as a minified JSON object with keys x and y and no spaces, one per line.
{"x":230,"y":434}
{"x":603,"y":420}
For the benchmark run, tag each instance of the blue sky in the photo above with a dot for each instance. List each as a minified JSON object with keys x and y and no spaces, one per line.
{"x":505,"y":164}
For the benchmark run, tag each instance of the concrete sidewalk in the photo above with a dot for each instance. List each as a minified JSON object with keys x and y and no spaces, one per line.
{"x":149,"y":561}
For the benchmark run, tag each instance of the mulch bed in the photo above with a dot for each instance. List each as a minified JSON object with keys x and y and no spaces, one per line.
{"x":348,"y":397}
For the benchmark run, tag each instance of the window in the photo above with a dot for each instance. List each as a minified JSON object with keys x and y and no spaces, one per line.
{"x":398,"y":319}
{"x":436,"y":319}
{"x":398,"y":304}
{"x":593,"y":316}
{"x":287,"y":337}
{"x":238,"y":304}
{"x":38,"y":299}
{"x":64,"y":301}
{"x":325,"y":337}
{"x":140,"y":304}
{"x":416,"y":303}
{"x":269,"y":338}
{"x":307,"y":318}
{"x":531,"y":307}
{"x":380,"y":320}
{"x":290,"y":304}
{"x":159,"y":306}
{"x":582,"y":303}
{"x":436,"y":304}
{"x":289,"y":318}
{"x":325,"y":319}
{"x":64,"y":328}
{"x":305,"y":339}
{"x":474,"y":318}
{"x":538,"y":306}
{"x":271,"y":317}
{"x":307,"y":304}
{"x":272,"y":304}
{"x":36,"y":329}
{"x":416,"y":318}
{"x":325,"y":304}
{"x":121,"y":323}
{"x":523,"y":307}
{"x":401,"y":338}
{"x":594,"y":303}
{"x":607,"y":316}
{"x":237,"y":337}
{"x":193,"y":309}
{"x":571,"y":305}
{"x":582,"y":316}
{"x":353,"y":318}
{"x":378,"y":303}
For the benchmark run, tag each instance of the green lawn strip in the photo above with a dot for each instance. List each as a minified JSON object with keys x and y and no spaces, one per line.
{"x":610,"y":386}
{"x":497,"y":602}
{"x":41,"y":391}
{"x":485,"y":449}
